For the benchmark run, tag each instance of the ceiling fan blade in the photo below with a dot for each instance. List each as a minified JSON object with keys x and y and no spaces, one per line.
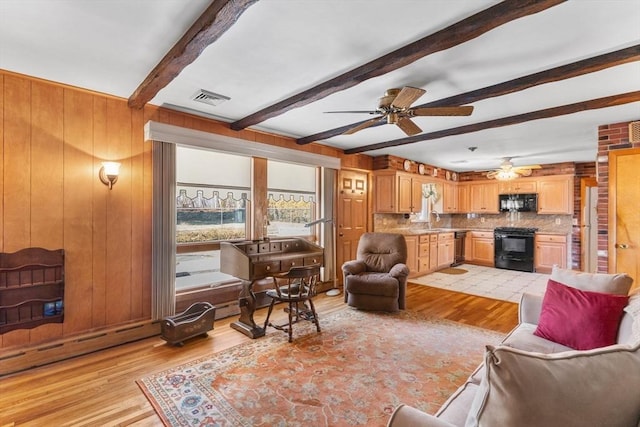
{"x":353,"y":112}
{"x":492,"y":174}
{"x":408,"y":126}
{"x":363,"y":125}
{"x":463,"y":110}
{"x":407,"y":96}
{"x":523,"y":172}
{"x":528,"y":167}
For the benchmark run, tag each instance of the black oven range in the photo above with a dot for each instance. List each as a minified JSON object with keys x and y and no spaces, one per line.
{"x":514,"y":248}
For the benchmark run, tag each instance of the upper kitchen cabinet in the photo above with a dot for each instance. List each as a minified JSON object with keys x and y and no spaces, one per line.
{"x":555,"y":194}
{"x":463,"y":198}
{"x":518,"y":186}
{"x":483,"y":197}
{"x":450,"y":198}
{"x":397,"y":192}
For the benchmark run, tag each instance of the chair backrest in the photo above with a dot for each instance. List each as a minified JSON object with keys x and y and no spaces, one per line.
{"x":381,"y":251}
{"x":301,"y":282}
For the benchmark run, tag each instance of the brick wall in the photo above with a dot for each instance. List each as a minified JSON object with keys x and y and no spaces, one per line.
{"x":610,"y":137}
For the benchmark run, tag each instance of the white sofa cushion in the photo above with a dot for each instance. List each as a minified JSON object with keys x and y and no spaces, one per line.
{"x":618,"y":284}
{"x":574,"y":388}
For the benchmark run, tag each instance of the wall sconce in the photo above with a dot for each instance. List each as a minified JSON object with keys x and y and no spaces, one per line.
{"x":109,"y":173}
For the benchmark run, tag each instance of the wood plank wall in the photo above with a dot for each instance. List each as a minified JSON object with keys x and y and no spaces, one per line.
{"x":54,"y":138}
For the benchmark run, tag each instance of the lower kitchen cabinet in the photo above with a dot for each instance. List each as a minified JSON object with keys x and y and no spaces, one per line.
{"x":412,"y":255}
{"x":446,"y":250}
{"x":433,"y":252}
{"x":550,"y":250}
{"x":423,"y":254}
{"x":482,"y":248}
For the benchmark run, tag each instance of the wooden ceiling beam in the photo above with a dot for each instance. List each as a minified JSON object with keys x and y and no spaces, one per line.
{"x":458,"y":33}
{"x":575,"y":69}
{"x":593,"y":104}
{"x":213,"y":22}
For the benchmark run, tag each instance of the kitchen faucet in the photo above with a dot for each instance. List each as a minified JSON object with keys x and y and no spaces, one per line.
{"x":437,"y":215}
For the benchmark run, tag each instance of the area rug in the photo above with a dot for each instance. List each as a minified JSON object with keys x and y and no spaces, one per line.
{"x":354,"y":373}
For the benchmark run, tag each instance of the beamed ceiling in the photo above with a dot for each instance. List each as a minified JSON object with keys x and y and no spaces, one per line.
{"x":541,"y":76}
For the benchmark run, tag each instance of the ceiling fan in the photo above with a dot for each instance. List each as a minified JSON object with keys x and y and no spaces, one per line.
{"x":395,"y":108}
{"x":508,"y":171}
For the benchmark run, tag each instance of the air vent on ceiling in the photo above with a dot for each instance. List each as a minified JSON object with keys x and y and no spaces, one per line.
{"x":209,"y":98}
{"x":634,"y":131}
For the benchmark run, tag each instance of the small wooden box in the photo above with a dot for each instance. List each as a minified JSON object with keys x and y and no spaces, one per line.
{"x":195,"y":320}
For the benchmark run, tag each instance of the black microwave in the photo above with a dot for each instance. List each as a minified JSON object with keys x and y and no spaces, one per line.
{"x":518,"y":203}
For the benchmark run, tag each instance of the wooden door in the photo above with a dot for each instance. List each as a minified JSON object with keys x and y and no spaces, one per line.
{"x":352,"y":214}
{"x":624,"y":214}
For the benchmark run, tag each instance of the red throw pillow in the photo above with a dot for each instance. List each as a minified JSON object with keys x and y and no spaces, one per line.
{"x":580,"y":319}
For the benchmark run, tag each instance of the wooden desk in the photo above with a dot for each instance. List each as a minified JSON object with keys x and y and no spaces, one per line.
{"x":256,"y":259}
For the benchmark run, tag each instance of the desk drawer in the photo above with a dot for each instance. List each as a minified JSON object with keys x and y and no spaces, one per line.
{"x":313,"y":260}
{"x":285,"y":265}
{"x":266,"y":268}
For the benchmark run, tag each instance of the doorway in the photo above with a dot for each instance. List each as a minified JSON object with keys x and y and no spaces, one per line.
{"x":589,"y":225}
{"x":352,"y":213}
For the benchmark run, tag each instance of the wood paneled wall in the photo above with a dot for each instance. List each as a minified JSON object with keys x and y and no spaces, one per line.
{"x":54,"y":138}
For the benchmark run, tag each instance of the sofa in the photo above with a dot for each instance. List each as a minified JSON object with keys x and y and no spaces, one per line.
{"x":533,"y":379}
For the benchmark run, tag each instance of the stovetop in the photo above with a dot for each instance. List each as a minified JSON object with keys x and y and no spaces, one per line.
{"x":523,"y":230}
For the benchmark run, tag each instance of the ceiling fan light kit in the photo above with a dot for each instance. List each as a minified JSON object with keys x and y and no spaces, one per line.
{"x":395,"y":108}
{"x":508,"y":172}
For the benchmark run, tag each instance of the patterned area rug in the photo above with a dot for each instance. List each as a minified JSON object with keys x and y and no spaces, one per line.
{"x":354,"y":373}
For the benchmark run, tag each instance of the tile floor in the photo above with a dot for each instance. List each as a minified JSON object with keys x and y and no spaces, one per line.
{"x":488,"y":282}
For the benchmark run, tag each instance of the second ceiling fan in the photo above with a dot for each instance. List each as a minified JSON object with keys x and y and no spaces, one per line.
{"x":395,"y":108}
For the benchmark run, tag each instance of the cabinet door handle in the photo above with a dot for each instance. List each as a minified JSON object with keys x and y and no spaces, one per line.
{"x":622,"y":246}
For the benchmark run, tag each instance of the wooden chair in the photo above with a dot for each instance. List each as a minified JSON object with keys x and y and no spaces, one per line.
{"x":297,"y":292}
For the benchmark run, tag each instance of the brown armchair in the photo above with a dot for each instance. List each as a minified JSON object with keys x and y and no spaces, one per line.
{"x":377,"y":279}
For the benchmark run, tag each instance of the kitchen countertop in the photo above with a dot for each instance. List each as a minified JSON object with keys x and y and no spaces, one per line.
{"x":417,"y":232}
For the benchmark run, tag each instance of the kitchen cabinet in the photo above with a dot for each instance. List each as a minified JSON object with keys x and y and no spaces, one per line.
{"x":397,"y":192}
{"x":449,"y":197}
{"x":384,"y":183}
{"x":423,"y":254}
{"x":555,"y":194}
{"x":433,"y":252}
{"x":518,"y":186}
{"x":412,"y":254}
{"x":463,"y":198}
{"x":446,"y":250}
{"x":483,"y":197}
{"x":550,"y":250}
{"x":482,"y":248}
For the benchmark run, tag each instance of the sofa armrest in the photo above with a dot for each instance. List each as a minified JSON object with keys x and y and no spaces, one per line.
{"x":406,"y":416}
{"x":399,"y":270}
{"x":353,"y":267}
{"x":530,"y":308}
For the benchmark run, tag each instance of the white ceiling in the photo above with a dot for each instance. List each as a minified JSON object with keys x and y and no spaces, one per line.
{"x":278,"y":48}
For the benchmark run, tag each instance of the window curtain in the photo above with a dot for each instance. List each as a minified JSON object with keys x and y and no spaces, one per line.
{"x":163,"y":291}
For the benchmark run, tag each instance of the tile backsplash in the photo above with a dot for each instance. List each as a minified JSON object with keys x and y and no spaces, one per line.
{"x":544,"y":223}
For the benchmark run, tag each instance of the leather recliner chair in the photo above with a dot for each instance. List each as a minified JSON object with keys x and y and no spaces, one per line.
{"x":377,"y":279}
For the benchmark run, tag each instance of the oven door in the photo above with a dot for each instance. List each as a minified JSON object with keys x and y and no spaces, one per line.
{"x":514,"y":251}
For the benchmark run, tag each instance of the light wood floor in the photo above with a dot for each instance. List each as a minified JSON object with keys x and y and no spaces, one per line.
{"x":99,"y":389}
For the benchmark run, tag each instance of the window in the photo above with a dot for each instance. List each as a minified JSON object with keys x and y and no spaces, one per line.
{"x":212,"y":204}
{"x":291,"y":197}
